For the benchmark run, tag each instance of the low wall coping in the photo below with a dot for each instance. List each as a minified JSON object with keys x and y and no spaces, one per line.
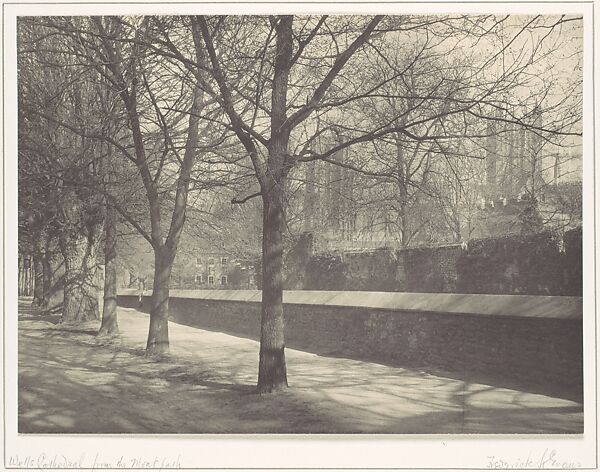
{"x":451,"y":303}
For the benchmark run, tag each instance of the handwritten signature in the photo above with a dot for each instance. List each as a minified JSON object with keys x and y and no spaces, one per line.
{"x":549,"y":459}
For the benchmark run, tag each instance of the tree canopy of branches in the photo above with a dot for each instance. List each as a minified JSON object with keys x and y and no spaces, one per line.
{"x":271,"y":74}
{"x":248,"y":102}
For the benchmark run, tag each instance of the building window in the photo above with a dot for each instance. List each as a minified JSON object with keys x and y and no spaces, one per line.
{"x":211,"y":280}
{"x":199,"y":279}
{"x":223,"y":280}
{"x":198,"y":261}
{"x":211,"y":261}
{"x":223,"y":260}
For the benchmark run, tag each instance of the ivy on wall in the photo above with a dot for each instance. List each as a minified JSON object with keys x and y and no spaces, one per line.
{"x":326,"y":272}
{"x":543,"y":263}
{"x":515,"y":264}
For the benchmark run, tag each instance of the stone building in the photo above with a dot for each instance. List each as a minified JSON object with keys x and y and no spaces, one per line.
{"x":519,"y":166}
{"x":210,"y":269}
{"x":198,"y":265}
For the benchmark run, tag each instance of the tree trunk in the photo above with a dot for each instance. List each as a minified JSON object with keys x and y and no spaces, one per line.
{"x":26,"y":276}
{"x":80,"y":290}
{"x":38,"y":281}
{"x":158,"y":334}
{"x":109,"y":325}
{"x":22,"y":290}
{"x":47,"y":279}
{"x":272,"y":370}
{"x":30,"y":276}
{"x":43,"y":270}
{"x":402,"y":192}
{"x":164,"y":254}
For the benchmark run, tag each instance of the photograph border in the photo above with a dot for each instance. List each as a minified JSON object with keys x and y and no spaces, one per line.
{"x":326,"y":441}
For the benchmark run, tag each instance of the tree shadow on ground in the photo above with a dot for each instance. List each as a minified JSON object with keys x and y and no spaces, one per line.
{"x":94,"y":389}
{"x":367,"y":397}
{"x":29,"y":312}
{"x":71,"y":381}
{"x":443,"y":406}
{"x":403,"y":401}
{"x":498,"y":377}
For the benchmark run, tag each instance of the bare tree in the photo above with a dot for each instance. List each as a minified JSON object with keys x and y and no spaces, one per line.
{"x":272,"y":167}
{"x":272,"y":74}
{"x":164,"y":138}
{"x":54,"y":159}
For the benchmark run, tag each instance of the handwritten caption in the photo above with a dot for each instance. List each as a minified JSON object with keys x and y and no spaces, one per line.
{"x":549,"y":459}
{"x":92,"y":461}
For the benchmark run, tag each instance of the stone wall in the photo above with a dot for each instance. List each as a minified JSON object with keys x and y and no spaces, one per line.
{"x":531,"y":264}
{"x":573,"y":258}
{"x":531,"y":343}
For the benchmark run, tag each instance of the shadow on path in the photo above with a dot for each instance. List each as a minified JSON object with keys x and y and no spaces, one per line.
{"x":70,"y":381}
